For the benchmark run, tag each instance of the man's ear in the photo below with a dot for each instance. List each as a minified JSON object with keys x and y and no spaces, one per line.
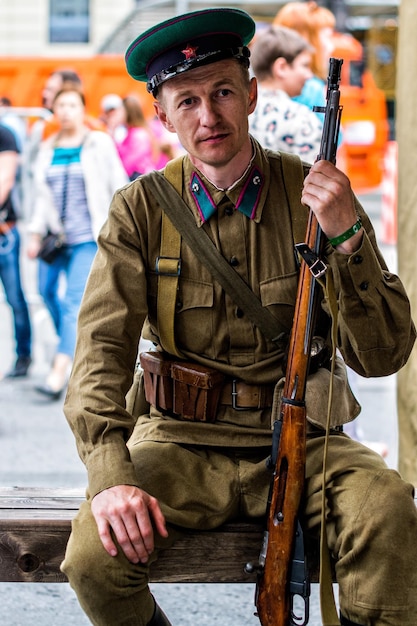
{"x":160,"y":112}
{"x":253,"y":95}
{"x":279,"y":66}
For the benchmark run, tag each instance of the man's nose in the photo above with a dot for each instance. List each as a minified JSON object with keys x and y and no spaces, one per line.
{"x":208,"y":113}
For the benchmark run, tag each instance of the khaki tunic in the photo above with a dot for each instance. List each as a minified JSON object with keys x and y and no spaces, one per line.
{"x":375,"y":330}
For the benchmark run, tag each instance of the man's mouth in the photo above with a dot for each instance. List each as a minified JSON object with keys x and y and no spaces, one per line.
{"x":215,"y":138}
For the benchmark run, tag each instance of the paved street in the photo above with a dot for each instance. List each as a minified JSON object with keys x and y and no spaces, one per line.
{"x":37,"y":449}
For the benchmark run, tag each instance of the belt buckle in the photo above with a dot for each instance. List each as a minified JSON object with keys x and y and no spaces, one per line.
{"x":234,"y":398}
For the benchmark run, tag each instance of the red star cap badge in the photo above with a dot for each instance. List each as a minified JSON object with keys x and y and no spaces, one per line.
{"x":190,"y":52}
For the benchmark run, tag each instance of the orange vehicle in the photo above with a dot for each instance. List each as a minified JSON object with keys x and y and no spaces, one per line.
{"x":364,"y":120}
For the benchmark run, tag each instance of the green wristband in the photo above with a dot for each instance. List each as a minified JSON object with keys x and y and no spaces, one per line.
{"x":336,"y":241}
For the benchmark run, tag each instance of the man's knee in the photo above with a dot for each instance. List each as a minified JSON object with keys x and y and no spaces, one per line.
{"x":85,"y":554}
{"x":390,"y":502}
{"x":382,"y":531}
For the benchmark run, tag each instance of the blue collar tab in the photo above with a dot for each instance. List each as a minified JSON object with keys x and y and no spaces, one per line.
{"x":247,"y":202}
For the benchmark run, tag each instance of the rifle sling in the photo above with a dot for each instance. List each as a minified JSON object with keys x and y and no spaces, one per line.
{"x":327,"y":601}
{"x":169,"y":267}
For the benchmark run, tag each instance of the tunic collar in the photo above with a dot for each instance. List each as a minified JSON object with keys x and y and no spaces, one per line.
{"x":247,"y":194}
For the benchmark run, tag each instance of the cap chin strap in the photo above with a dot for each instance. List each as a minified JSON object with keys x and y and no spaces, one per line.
{"x":241,"y":53}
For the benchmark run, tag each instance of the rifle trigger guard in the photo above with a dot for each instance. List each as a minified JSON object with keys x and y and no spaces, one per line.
{"x":316,"y":265}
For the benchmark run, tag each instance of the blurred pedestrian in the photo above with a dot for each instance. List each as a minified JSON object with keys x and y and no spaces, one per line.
{"x":76,"y":174}
{"x":44,"y":128}
{"x":139,"y":150}
{"x":316,"y":24}
{"x":18,"y":126}
{"x":54,"y":83}
{"x":40,"y":131}
{"x":113,"y":115}
{"x":12,"y":121}
{"x":281,"y":62}
{"x":10,"y":254}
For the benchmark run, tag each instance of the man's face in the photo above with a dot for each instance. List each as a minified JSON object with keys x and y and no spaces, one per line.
{"x":51,"y":88}
{"x":208,"y":108}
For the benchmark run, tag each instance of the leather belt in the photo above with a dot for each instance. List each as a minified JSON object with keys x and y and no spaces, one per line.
{"x":5,"y":227}
{"x":242,"y":396}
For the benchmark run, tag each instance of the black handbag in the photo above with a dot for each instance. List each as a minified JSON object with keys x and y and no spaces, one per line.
{"x":53,"y":243}
{"x":51,"y":246}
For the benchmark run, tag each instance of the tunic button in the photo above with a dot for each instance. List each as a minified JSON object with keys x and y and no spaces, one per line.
{"x":364,"y":286}
{"x":239,"y":313}
{"x":229,"y":210}
{"x":178,"y":305}
{"x":357,"y":259}
{"x":234,"y":262}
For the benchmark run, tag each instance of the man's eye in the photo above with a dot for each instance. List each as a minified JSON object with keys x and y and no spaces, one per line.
{"x":187,"y":102}
{"x":224,"y":92}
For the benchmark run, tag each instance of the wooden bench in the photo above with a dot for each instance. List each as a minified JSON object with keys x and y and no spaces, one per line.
{"x":35,"y":525}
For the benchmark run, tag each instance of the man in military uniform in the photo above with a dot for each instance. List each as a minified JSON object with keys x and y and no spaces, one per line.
{"x":152,"y":474}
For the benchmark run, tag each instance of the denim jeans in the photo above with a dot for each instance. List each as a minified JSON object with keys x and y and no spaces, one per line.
{"x":74,"y":262}
{"x":48,"y":284}
{"x":10,"y":277}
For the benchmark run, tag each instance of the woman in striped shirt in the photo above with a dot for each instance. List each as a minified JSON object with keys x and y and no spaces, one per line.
{"x":76,"y":174}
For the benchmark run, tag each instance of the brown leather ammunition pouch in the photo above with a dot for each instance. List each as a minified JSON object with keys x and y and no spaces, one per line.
{"x":157,"y":380}
{"x":196,"y":391}
{"x":188,"y":390}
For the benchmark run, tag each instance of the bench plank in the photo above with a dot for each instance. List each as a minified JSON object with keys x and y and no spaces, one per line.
{"x":35,"y":525}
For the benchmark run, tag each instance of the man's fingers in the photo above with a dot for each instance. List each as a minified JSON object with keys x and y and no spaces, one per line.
{"x":125,"y":515}
{"x":131,"y":540}
{"x":158,"y":517}
{"x":105,"y":536}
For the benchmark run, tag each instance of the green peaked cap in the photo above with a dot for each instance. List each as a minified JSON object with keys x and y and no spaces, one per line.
{"x":187,"y":41}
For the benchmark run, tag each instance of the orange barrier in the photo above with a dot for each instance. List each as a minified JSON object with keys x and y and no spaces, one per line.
{"x":22,"y":79}
{"x":364,"y":121}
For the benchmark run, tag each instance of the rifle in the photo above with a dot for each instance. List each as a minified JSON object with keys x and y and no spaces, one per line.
{"x":281,"y":571}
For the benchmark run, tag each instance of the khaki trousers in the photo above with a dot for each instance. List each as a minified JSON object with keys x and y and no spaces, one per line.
{"x":371,"y":526}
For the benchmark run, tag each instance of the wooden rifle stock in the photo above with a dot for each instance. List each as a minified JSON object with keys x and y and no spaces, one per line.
{"x":275,"y":590}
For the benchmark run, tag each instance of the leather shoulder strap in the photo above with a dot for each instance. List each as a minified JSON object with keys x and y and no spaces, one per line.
{"x":169,"y":265}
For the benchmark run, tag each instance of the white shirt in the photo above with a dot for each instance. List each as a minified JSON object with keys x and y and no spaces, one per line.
{"x":280,"y":123}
